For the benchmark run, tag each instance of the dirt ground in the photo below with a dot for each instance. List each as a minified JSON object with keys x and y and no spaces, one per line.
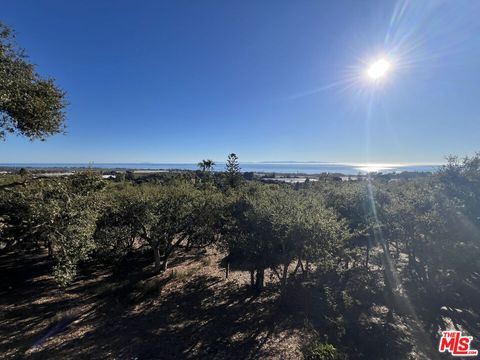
{"x":193,"y":312}
{"x":189,"y":312}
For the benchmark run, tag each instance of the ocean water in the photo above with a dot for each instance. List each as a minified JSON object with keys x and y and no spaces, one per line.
{"x":280,"y":167}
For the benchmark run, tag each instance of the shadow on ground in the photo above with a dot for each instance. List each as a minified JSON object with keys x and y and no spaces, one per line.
{"x":133,"y":318}
{"x":196,"y":314}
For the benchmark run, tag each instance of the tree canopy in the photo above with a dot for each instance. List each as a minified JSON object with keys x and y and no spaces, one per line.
{"x":30,"y":105}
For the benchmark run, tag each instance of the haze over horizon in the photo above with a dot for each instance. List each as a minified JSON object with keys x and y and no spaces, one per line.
{"x":222,"y":161}
{"x":179,"y":81}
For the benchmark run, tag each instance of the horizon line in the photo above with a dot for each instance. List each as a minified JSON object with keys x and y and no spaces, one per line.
{"x":363,"y":164}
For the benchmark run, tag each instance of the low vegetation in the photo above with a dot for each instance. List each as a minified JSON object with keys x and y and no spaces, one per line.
{"x":376,"y":252}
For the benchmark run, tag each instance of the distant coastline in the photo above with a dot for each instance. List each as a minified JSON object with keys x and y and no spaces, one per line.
{"x":262,"y":167}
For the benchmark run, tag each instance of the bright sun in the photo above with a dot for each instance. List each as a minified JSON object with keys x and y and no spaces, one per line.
{"x":378,"y":69}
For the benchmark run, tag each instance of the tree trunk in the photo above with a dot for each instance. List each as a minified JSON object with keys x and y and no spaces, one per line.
{"x":252,"y":278}
{"x":299,"y":266}
{"x":391,"y":284}
{"x":50,"y":249}
{"x":227,"y":270}
{"x":284,"y":276}
{"x":165,"y":262}
{"x":367,"y":257}
{"x":414,"y":263}
{"x":156,"y":254}
{"x":260,"y":281}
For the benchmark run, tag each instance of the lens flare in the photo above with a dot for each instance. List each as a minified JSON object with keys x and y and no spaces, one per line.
{"x":378,"y":69}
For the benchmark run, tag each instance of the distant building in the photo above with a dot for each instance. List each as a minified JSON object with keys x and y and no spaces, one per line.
{"x":288,"y":180}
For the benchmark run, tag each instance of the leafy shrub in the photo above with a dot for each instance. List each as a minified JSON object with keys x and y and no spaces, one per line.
{"x":321,"y":351}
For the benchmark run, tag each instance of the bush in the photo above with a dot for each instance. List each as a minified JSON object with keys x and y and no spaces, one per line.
{"x":321,"y":351}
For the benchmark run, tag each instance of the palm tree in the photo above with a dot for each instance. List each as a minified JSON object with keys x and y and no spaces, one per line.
{"x":206,"y":165}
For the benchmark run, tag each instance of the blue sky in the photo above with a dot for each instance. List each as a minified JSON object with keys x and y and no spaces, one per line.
{"x":178,"y":81}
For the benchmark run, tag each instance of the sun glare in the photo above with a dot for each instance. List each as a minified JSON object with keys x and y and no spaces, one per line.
{"x":378,"y":69}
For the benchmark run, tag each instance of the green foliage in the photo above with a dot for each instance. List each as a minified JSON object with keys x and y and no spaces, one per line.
{"x":206,"y":165}
{"x":162,"y":216}
{"x":427,"y":228}
{"x":272,"y":226}
{"x":29,"y":105}
{"x":23,"y":172}
{"x":321,"y":351}
{"x":114,"y":235}
{"x":59,"y":212}
{"x":206,"y":218}
{"x":232,"y":171}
